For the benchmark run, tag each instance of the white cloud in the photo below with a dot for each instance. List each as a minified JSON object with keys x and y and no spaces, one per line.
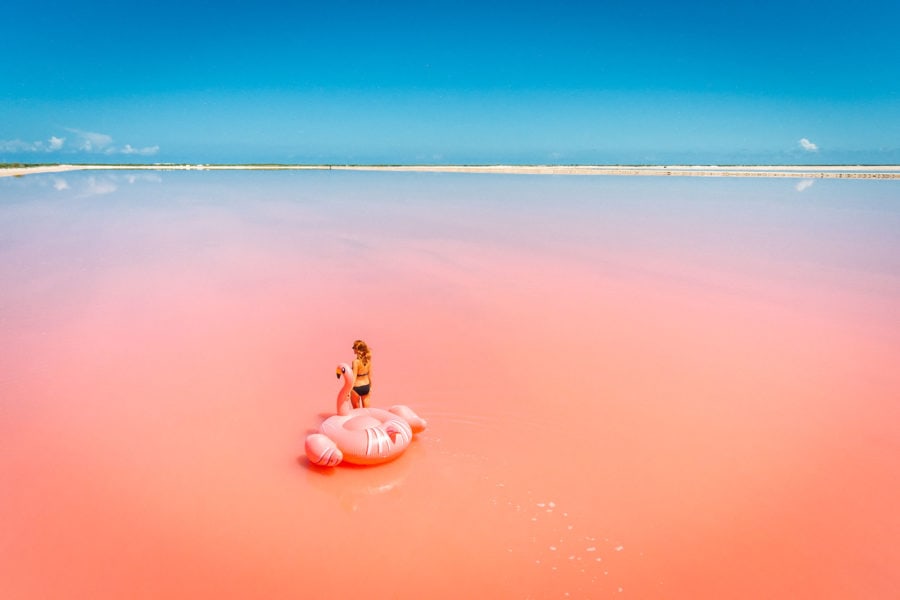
{"x":803,"y":184}
{"x":100,"y":142}
{"x":52,"y":145}
{"x":127,"y":149}
{"x":808,"y":145}
{"x":60,"y":184}
{"x":19,"y":146}
{"x":90,"y":141}
{"x":84,"y":141}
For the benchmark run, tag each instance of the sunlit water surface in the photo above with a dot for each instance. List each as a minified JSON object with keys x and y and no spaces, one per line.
{"x":635,"y":387}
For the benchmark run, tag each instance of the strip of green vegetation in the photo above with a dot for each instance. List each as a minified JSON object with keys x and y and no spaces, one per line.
{"x":17,"y":165}
{"x":4,"y":165}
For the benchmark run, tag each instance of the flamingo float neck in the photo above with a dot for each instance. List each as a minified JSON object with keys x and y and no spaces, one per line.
{"x":343,"y":398}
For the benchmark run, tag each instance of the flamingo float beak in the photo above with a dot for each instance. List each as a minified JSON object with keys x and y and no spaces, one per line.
{"x":337,"y":372}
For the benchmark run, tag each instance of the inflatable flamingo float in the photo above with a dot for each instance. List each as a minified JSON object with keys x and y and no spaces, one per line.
{"x":362,"y":436}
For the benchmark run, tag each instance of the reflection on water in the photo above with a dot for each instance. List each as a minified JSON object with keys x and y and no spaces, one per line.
{"x":657,"y":388}
{"x":351,"y":484}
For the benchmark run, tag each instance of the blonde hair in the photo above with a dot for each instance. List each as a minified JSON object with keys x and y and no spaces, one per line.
{"x":362,"y":351}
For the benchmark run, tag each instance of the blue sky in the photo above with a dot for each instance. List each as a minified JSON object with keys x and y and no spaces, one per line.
{"x":451,"y":82}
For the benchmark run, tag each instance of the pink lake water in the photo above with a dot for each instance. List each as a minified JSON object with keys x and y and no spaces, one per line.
{"x":635,"y":387}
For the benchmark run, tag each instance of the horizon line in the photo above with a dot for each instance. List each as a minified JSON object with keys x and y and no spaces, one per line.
{"x":849,"y":171}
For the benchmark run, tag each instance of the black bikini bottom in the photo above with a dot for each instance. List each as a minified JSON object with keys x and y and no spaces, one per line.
{"x":362,"y":390}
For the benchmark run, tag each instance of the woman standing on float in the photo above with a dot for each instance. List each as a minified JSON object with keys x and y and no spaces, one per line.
{"x":362,"y":375}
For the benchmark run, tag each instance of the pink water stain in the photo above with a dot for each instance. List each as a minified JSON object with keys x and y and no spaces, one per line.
{"x":647,"y":400}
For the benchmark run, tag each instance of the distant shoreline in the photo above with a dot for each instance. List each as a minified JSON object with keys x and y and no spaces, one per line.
{"x":802,"y":172}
